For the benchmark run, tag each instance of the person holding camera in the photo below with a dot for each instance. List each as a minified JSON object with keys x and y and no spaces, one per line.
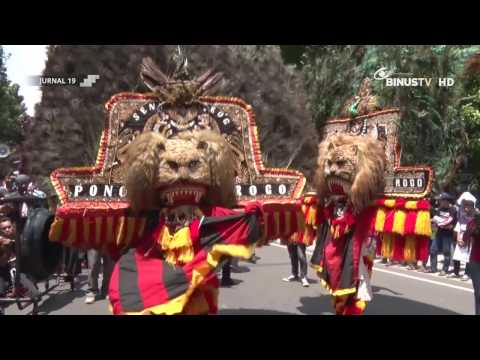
{"x":7,"y":234}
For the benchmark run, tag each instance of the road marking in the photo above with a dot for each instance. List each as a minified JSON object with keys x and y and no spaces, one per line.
{"x":424,"y":280}
{"x":402,"y":275}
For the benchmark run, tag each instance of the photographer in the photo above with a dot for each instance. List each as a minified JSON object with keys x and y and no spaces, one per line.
{"x":7,"y":253}
{"x":7,"y":233}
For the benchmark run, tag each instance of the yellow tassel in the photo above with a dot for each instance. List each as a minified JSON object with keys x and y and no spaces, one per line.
{"x":411,"y":205}
{"x":380,"y":220}
{"x":423,"y":225}
{"x":360,"y":304}
{"x":337,"y":231}
{"x":72,"y":236}
{"x":120,"y":231}
{"x":390,"y":203}
{"x":56,"y":230}
{"x":409,"y":251}
{"x":387,"y":245}
{"x":312,"y":215}
{"x":177,"y":247}
{"x":300,"y":222}
{"x":399,"y":222}
{"x":219,"y":250}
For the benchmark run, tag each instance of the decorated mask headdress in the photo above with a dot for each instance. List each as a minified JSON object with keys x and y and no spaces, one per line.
{"x":364,"y":194}
{"x":183,"y":122}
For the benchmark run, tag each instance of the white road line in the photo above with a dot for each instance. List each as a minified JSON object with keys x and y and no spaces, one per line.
{"x":403,"y":275}
{"x":424,"y":280}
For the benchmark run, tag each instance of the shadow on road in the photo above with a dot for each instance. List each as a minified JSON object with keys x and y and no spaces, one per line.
{"x":377,"y":289}
{"x":236,"y":282}
{"x":269,"y":264}
{"x":252,"y":312}
{"x":380,"y":305}
{"x":59,"y":300}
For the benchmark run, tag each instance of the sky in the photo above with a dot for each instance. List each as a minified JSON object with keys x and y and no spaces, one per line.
{"x":25,"y":61}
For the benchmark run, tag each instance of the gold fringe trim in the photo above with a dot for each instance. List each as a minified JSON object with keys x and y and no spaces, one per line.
{"x":423,"y":226}
{"x":178,"y":247}
{"x":411,"y":205}
{"x":409,"y":250}
{"x":340,"y":292}
{"x":387,"y":245}
{"x":219,"y":250}
{"x":318,"y":268}
{"x":399,"y":222}
{"x":380,"y":220}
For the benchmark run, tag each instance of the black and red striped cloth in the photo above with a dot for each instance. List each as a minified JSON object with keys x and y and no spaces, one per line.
{"x":142,"y":284}
{"x":338,"y":249}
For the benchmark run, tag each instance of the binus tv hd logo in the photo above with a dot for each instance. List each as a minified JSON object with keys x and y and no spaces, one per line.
{"x":407,"y":80}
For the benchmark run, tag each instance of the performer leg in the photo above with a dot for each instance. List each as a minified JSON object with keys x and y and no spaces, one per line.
{"x":107,"y":266}
{"x":226,"y":273}
{"x":433,"y":254}
{"x":302,"y":259}
{"x":348,"y":305}
{"x":94,"y":263}
{"x":293,"y":252}
{"x":446,"y":249}
{"x":354,"y":306}
{"x":456,"y":267}
{"x":339,"y":303}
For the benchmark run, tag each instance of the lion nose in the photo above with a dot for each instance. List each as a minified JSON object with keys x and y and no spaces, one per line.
{"x":183,"y":173}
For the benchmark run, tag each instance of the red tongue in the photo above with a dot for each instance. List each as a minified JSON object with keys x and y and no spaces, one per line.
{"x":337,"y":189}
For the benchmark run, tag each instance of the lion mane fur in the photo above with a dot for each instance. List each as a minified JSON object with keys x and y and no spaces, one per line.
{"x":369,"y":174}
{"x":152,"y":161}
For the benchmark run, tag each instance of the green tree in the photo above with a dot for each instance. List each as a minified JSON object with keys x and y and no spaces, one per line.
{"x":11,"y":106}
{"x":68,"y":121}
{"x":439,"y":125}
{"x":332,"y":74}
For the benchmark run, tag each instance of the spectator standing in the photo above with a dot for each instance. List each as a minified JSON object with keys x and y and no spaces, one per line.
{"x":444,"y":219}
{"x":472,"y":240}
{"x":298,"y":260}
{"x":466,"y":213}
{"x":97,"y":262}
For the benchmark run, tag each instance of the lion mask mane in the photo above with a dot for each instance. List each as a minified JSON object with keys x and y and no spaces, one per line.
{"x":194,"y":167}
{"x":350,"y":166}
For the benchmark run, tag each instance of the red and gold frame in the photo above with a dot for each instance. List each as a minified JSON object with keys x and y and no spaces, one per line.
{"x":389,"y":119}
{"x":87,"y":174}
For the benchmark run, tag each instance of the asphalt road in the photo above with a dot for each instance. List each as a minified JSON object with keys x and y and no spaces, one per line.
{"x":259,"y":290}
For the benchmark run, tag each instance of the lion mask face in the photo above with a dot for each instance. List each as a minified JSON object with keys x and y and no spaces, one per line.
{"x":352,"y":167}
{"x":193,"y":168}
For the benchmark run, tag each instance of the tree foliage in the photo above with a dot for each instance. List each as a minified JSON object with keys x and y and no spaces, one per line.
{"x":439,"y":125}
{"x":69,"y":120}
{"x":11,"y":106}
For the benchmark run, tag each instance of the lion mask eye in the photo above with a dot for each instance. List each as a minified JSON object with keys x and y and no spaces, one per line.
{"x":173,"y":165}
{"x":193,"y":164}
